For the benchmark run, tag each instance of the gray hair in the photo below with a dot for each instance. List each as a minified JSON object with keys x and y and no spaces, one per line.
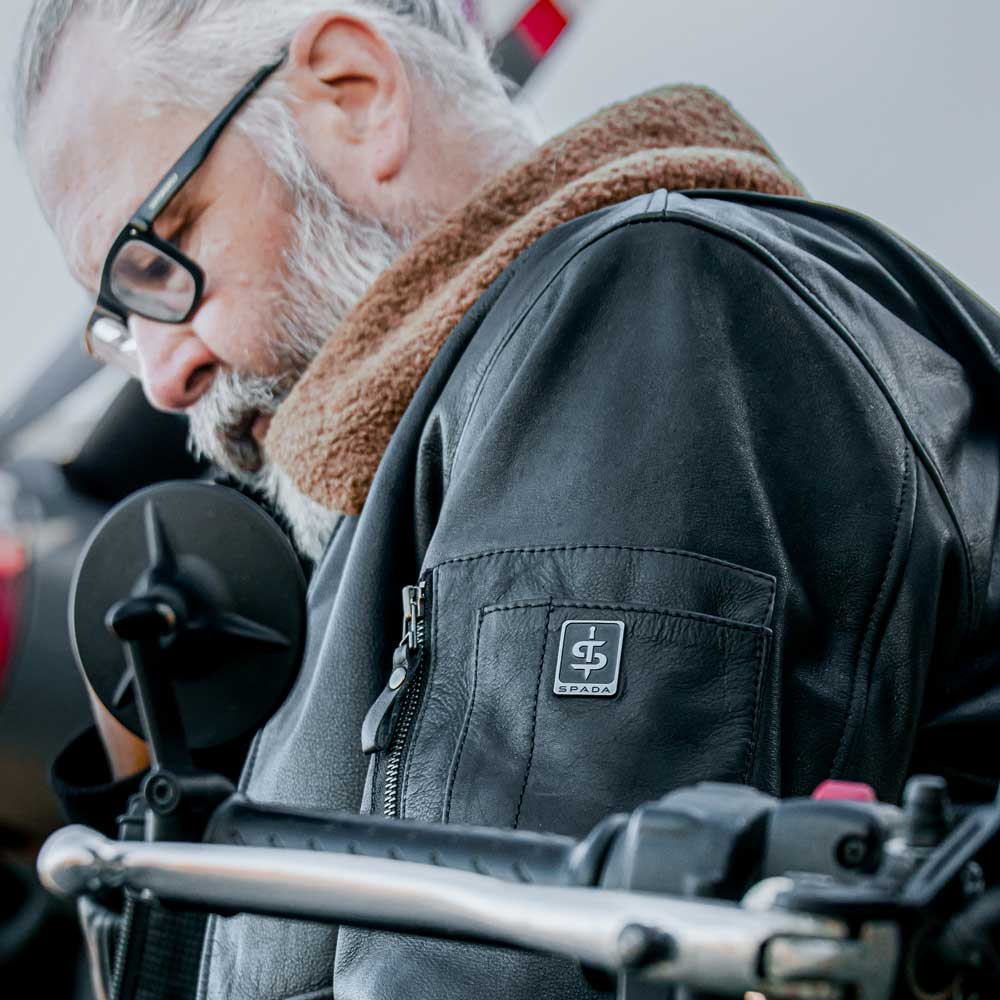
{"x":172,"y":48}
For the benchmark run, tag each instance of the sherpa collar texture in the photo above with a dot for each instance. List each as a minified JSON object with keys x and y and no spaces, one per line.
{"x":330,"y":434}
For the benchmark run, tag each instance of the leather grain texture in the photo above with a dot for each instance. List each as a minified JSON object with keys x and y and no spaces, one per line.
{"x":689,"y":623}
{"x":760,"y":432}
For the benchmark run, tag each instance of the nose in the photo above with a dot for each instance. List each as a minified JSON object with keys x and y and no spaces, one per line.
{"x":177,"y":368}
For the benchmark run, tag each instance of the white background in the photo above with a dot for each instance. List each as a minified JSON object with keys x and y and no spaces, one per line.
{"x":886,"y":106}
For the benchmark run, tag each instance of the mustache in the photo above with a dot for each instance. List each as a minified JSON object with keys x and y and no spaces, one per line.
{"x":219,"y":422}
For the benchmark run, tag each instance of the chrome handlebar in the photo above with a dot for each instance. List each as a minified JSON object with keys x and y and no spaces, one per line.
{"x":712,"y":946}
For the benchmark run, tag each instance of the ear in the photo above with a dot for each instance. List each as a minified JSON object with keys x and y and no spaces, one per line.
{"x":353,"y":99}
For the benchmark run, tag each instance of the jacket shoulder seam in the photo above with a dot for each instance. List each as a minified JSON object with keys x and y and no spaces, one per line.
{"x":814,"y":301}
{"x":868,"y":641}
{"x":808,"y":296}
{"x":651,"y":211}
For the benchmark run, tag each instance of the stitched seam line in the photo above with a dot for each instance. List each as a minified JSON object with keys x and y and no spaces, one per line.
{"x":468,"y":720}
{"x":872,"y":622}
{"x":680,"y":553}
{"x":323,"y":994}
{"x":490,"y":609}
{"x":529,"y":549}
{"x":534,"y":720}
{"x":820,"y":308}
{"x":631,"y":219}
{"x":770,"y":607}
{"x":665,"y":613}
{"x":758,"y":687}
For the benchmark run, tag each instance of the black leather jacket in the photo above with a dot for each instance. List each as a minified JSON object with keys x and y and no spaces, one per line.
{"x":745,"y":447}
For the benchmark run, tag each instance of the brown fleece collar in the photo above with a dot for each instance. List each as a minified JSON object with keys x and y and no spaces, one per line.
{"x":330,"y":434}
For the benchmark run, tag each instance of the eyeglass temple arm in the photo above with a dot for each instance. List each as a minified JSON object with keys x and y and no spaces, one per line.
{"x":194,"y":156}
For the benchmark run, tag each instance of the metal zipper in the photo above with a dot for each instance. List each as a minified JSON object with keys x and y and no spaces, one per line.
{"x":413,"y":636}
{"x":394,"y":762}
{"x":389,"y":721}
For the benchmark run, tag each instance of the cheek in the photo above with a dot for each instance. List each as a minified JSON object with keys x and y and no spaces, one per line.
{"x":238,"y":318}
{"x":237,"y":325}
{"x":245,"y":266}
{"x":244,"y":270}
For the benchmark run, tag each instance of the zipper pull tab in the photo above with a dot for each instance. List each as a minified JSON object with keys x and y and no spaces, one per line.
{"x":413,"y":616}
{"x":376,"y":731}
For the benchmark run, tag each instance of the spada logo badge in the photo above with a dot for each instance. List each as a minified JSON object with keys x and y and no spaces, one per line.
{"x":590,"y":655}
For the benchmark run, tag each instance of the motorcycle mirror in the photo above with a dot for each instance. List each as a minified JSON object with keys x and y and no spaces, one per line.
{"x":220,"y":593}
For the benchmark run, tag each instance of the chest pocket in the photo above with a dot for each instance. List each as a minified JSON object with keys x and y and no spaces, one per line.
{"x":564,"y":684}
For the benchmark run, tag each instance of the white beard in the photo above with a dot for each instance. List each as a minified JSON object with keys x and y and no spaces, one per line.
{"x":336,"y":257}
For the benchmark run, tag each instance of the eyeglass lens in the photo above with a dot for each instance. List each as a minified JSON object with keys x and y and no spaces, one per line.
{"x":147,"y":281}
{"x":109,"y":341}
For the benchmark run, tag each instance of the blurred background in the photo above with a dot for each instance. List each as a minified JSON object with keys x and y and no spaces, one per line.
{"x":884,"y":107}
{"x":887,"y":108}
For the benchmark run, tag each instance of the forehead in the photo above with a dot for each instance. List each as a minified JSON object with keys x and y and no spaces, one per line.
{"x":95,"y":152}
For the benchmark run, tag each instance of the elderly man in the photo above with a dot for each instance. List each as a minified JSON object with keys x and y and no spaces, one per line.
{"x":688,"y":477}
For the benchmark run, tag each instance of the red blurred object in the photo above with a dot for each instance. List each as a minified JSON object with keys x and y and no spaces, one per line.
{"x":13,"y":562}
{"x":541,"y":26}
{"x":844,"y":791}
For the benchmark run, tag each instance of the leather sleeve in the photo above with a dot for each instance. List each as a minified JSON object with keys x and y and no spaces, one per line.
{"x":663,"y":430}
{"x":81,"y":779}
{"x":670,"y":388}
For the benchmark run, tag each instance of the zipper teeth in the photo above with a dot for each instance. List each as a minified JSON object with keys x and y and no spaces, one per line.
{"x":394,"y":763}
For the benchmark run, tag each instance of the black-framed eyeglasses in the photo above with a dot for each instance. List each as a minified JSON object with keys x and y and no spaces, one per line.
{"x":145,"y":275}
